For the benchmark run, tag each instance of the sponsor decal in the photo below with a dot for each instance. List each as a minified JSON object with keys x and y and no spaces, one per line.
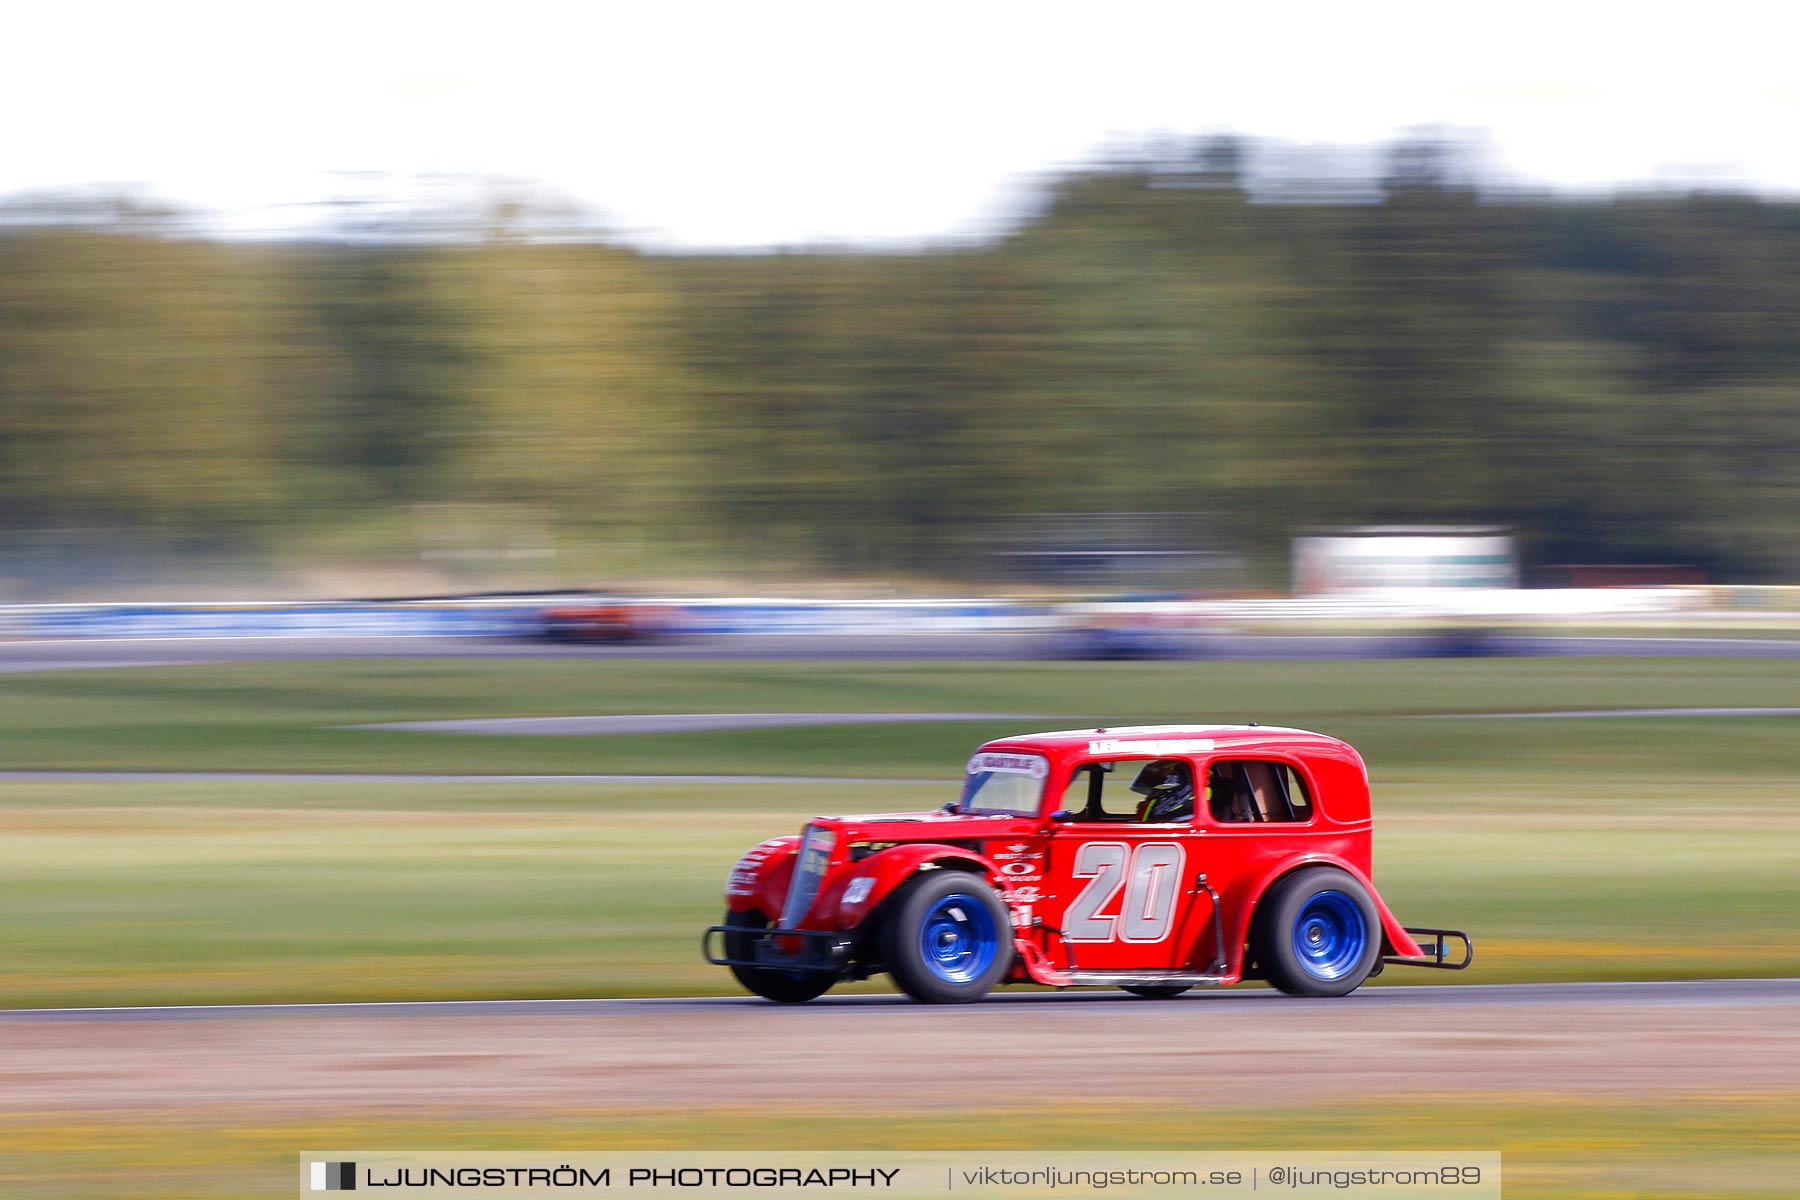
{"x":742,"y":880}
{"x":1156,"y":747}
{"x":859,"y":890}
{"x":1019,"y":862}
{"x":1034,"y":765}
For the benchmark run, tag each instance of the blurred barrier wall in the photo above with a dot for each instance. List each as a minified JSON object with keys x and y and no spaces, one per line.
{"x":449,"y":619}
{"x":520,"y":616}
{"x":490,"y":617}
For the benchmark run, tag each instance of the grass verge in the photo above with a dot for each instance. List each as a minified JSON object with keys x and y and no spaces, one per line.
{"x":215,"y":892}
{"x":291,"y":716}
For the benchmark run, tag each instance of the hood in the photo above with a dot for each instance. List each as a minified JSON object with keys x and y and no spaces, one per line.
{"x":930,"y":825}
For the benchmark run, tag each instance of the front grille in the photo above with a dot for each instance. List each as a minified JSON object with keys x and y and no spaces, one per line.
{"x":809,"y":871}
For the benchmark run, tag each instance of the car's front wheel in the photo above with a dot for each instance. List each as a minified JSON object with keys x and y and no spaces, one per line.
{"x":771,"y":983}
{"x":1317,"y":933}
{"x":948,"y":940}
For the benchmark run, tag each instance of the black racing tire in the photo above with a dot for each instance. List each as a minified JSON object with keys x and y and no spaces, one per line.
{"x":783,"y":987}
{"x":1158,"y":991}
{"x":947,"y":939}
{"x":1317,"y":933}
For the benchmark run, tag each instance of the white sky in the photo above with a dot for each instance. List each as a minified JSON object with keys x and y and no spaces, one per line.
{"x":762,"y":122}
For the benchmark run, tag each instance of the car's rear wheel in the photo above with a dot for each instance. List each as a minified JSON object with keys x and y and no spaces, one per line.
{"x":1158,"y":991}
{"x":1317,"y":933}
{"x":948,"y":939}
{"x":771,"y":983}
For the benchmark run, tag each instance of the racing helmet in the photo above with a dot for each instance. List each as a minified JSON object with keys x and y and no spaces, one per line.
{"x":1160,"y":776}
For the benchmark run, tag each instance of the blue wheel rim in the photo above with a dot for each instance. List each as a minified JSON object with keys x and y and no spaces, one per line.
{"x":1330,"y":935}
{"x":958,"y":939}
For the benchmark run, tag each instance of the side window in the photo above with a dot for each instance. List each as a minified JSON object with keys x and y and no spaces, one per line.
{"x":1299,"y":799}
{"x":1240,"y":791}
{"x":1131,"y":790}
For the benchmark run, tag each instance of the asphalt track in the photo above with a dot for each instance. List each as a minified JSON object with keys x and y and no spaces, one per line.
{"x":877,"y":1055}
{"x":621,"y":724}
{"x":321,"y":777}
{"x":1701,"y":993}
{"x":1588,"y":713}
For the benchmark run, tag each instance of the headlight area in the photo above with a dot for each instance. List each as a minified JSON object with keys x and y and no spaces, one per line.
{"x":809,"y":872}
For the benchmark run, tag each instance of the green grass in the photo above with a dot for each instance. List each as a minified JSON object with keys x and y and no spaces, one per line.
{"x":1610,"y":849}
{"x":1619,"y":848}
{"x":208,"y":892}
{"x":1552,"y":1147}
{"x":289,"y":716}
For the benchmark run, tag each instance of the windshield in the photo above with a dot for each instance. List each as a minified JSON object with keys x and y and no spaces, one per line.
{"x":1008,"y":783}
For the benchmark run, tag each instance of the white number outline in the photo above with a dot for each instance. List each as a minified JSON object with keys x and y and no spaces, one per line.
{"x":1141,"y":875}
{"x":1151,"y":894}
{"x":1080,"y":920}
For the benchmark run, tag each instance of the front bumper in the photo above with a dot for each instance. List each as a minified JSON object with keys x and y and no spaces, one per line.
{"x":821,"y":951}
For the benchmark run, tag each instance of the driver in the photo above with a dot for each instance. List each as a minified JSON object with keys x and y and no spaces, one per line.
{"x":1168,"y":790}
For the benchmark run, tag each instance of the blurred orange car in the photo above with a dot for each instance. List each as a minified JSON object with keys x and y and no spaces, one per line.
{"x":605,"y":621}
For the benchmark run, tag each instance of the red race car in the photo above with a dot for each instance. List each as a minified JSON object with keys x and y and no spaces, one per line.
{"x":1154,"y":858}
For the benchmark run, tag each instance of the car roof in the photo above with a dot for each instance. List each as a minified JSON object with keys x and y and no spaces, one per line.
{"x":1335,"y":766}
{"x":1170,"y":739}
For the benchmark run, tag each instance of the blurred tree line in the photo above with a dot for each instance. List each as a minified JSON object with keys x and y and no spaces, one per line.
{"x":1618,"y":379}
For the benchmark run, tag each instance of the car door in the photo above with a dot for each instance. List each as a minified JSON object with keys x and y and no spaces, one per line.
{"x":1120,"y":889}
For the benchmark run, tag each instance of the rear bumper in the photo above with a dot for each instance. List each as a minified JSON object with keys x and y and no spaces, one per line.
{"x":1437,"y":947}
{"x":821,"y":951}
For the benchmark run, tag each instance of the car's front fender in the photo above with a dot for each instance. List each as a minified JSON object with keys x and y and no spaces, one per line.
{"x":851,"y":895}
{"x":759,"y":880}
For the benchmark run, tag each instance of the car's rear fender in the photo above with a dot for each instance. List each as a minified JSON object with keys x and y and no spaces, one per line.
{"x":1397,"y":940}
{"x":849,"y":902}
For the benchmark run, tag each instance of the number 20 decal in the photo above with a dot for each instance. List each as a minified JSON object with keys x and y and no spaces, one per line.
{"x":1148,"y":910}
